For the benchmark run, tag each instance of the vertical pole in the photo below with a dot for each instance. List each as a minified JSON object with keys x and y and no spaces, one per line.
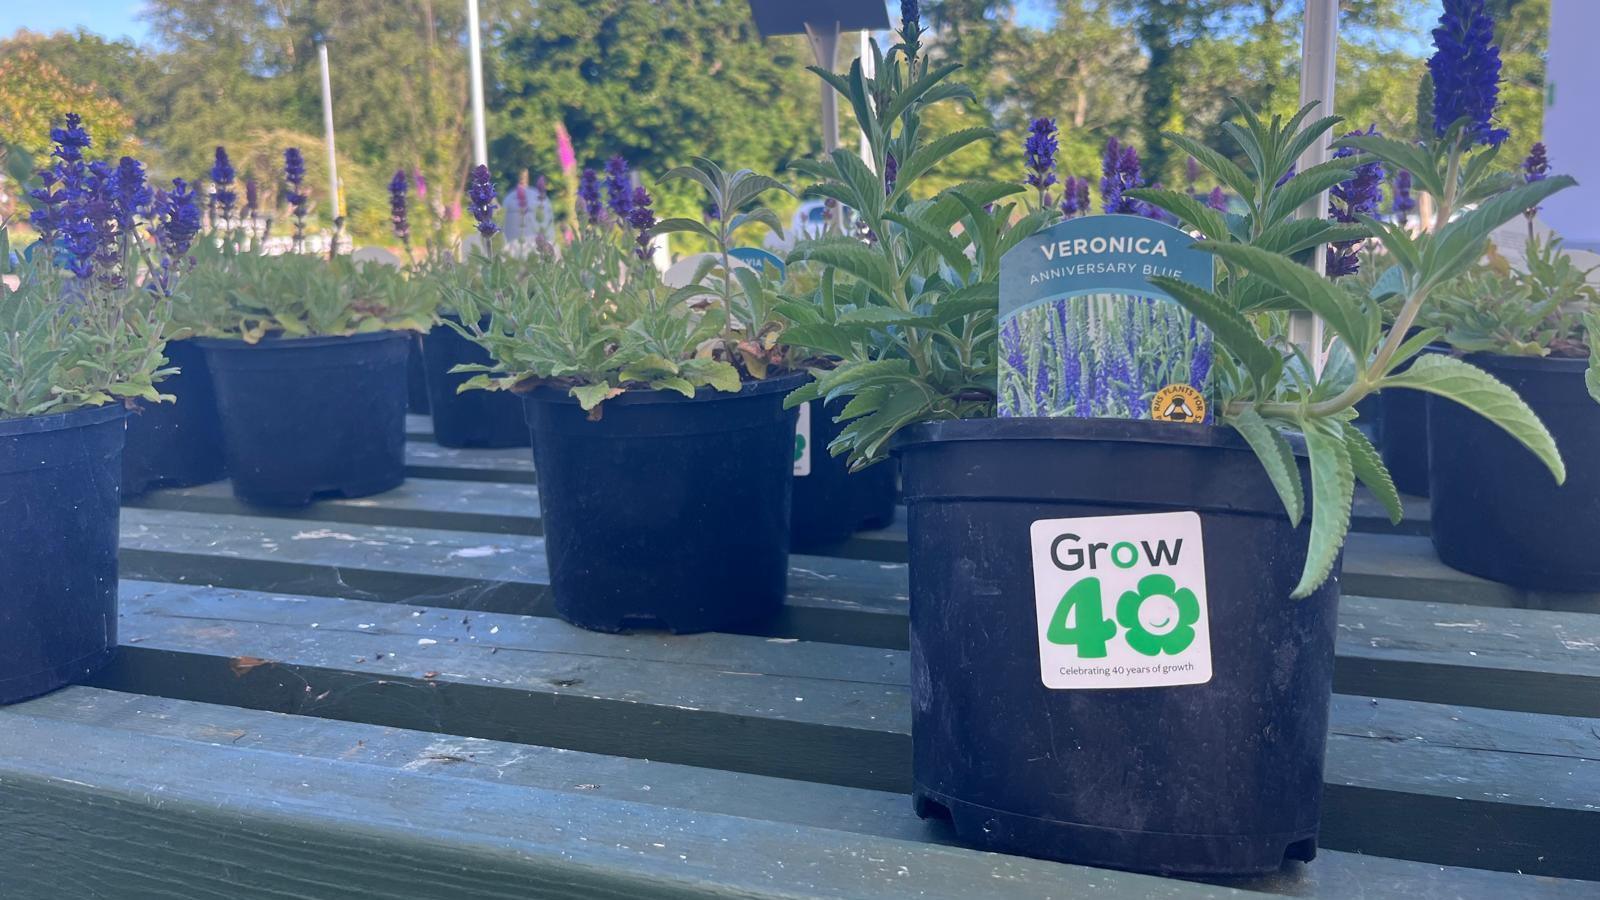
{"x":1318,"y":57}
{"x":480,"y":139}
{"x":327,"y":128}
{"x":825,"y":45}
{"x":869,"y":69}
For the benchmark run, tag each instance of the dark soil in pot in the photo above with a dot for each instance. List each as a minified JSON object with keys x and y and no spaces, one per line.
{"x":1497,"y":511}
{"x":473,"y":418}
{"x":310,"y":417}
{"x":668,"y":512}
{"x":59,"y":477}
{"x":1208,"y":759}
{"x":830,"y":503}
{"x":416,"y":378}
{"x":179,"y":443}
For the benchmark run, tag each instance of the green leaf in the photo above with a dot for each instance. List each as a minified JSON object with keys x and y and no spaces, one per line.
{"x":950,"y":250}
{"x":1369,"y":468}
{"x":1399,"y":155}
{"x":1225,"y":169}
{"x":849,"y":256}
{"x":1333,"y":487}
{"x":1459,"y":244}
{"x":1294,"y":235}
{"x":1306,"y":186}
{"x":1231,"y":328}
{"x":1319,"y":295}
{"x":681,"y":225}
{"x":591,"y":395}
{"x":1277,"y":457}
{"x":1480,"y":392}
{"x":931,"y":154}
{"x":1190,"y":211}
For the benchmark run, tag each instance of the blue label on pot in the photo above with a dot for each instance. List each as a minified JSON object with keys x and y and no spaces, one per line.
{"x":1121,"y":601}
{"x":1083,"y":332}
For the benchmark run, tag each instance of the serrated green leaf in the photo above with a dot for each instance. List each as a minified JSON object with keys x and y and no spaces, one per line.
{"x":1459,"y":244}
{"x":1336,"y":306}
{"x":1333,"y":487}
{"x":1277,"y":457}
{"x":1480,"y":392}
{"x":1369,"y":468}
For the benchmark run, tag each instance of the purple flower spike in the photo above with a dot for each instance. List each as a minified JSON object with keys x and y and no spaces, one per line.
{"x":398,"y":214}
{"x":130,"y":193}
{"x":891,"y":171}
{"x":1537,"y":166}
{"x":1466,"y":73}
{"x":641,"y":218}
{"x":1120,"y":172}
{"x":1348,"y":201}
{"x":1403,"y":203}
{"x":1039,"y":156}
{"x":222,"y":192}
{"x":70,"y":140}
{"x":481,"y":197}
{"x":1191,"y":171}
{"x":1217,"y":199}
{"x":589,"y":197}
{"x":619,"y":187}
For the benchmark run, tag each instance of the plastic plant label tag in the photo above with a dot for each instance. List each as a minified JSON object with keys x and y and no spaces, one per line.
{"x":1121,"y":601}
{"x":1084,"y":334}
{"x":802,"y":442}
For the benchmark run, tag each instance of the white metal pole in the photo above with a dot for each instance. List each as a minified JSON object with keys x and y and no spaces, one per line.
{"x":1318,"y":57}
{"x":869,"y":69}
{"x":480,"y":139}
{"x":825,"y":45}
{"x":327,"y":127}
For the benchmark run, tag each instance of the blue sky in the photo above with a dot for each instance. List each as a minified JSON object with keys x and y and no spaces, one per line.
{"x":111,"y":18}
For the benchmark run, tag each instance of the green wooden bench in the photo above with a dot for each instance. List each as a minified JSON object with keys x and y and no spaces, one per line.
{"x":371,"y":698}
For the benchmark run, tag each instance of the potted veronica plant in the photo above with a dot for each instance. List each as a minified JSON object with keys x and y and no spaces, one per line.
{"x":1536,"y":328}
{"x":179,"y":444}
{"x":308,"y":360}
{"x":82,"y":315}
{"x":1215,"y":768}
{"x":663,"y":449}
{"x":460,"y":418}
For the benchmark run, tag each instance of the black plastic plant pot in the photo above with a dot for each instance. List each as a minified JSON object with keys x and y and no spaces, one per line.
{"x":472,"y":418}
{"x":1497,"y":511}
{"x":667,"y":512}
{"x":59,"y":476}
{"x":1085,"y":687}
{"x":416,"y":378}
{"x":831,"y":503}
{"x":1403,"y":433}
{"x":305,"y":418}
{"x":178,"y":443}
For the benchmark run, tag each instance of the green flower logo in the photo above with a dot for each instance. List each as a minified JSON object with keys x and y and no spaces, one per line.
{"x":799,"y":447}
{"x":1172,"y":612}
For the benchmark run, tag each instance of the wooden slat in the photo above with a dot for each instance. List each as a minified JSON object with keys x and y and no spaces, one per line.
{"x":1334,"y":875}
{"x":130,"y":813}
{"x":513,"y":465}
{"x":1406,"y":568}
{"x":1451,"y":785}
{"x":486,"y":507}
{"x":1524,"y":660}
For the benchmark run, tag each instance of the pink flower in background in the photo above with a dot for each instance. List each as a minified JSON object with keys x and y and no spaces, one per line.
{"x":422,"y":183}
{"x":453,"y":213}
{"x":522,"y":196}
{"x":564,"y":152}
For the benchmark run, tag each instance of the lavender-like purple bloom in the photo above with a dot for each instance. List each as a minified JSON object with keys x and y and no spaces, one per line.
{"x":1119,"y":172}
{"x":1039,"y":157}
{"x":589,"y":197}
{"x":1466,"y":73}
{"x":1011,"y":348}
{"x":222,"y":193}
{"x":911,"y":26}
{"x":1403,"y":202}
{"x":175,"y":222}
{"x":1349,"y":201}
{"x":294,"y":193}
{"x":1537,"y":166}
{"x":1217,"y":199}
{"x":891,"y":171}
{"x":70,"y":139}
{"x":1191,"y":172}
{"x":619,"y":188}
{"x":1075,"y":197}
{"x":399,"y":215}
{"x":481,"y":197}
{"x":641,"y":218}
{"x":130,"y":193}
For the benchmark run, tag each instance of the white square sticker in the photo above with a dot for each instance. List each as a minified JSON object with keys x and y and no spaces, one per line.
{"x":802,"y":441}
{"x":1121,"y":601}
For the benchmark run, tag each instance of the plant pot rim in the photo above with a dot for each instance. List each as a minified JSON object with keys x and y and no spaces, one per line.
{"x":784,"y":383}
{"x":1560,"y":364}
{"x":275,"y":341}
{"x":1137,"y":431}
{"x":60,"y":421}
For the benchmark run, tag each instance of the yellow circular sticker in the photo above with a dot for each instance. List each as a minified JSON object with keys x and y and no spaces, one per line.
{"x":1178,"y":403}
